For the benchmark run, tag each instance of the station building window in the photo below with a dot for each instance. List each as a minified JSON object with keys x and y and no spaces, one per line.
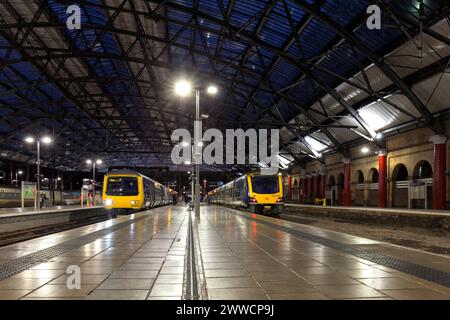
{"x":360,"y":187}
{"x":373,"y":188}
{"x":400,"y":186}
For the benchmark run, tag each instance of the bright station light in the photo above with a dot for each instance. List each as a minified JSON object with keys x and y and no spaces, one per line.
{"x":98,"y":161}
{"x":46,"y":140}
{"x":365,"y":150}
{"x":89,"y":161}
{"x":183,"y":88}
{"x":29,"y":139}
{"x":212,"y":89}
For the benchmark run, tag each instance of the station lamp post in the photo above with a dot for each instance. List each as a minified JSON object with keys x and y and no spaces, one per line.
{"x":18,"y":173}
{"x":44,"y":140}
{"x":93,"y":163}
{"x":183,"y":88}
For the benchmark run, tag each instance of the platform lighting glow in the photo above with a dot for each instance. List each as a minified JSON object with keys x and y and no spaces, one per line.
{"x":189,"y":172}
{"x":212,"y":89}
{"x":98,"y":161}
{"x":29,"y":139}
{"x":185,"y":144}
{"x":59,"y":179}
{"x":89,"y":161}
{"x":379,"y":136}
{"x":183,"y":88}
{"x":200,"y":144}
{"x":46,"y":140}
{"x":187,"y":162}
{"x":365,"y":150}
{"x":19,"y":172}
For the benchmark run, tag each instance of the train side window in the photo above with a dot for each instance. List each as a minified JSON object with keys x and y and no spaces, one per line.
{"x":238,"y":186}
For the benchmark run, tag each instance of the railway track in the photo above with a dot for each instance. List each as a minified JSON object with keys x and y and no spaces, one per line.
{"x":23,"y":235}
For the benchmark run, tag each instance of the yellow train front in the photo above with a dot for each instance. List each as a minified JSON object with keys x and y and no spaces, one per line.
{"x":128,"y":191}
{"x":257,"y":193}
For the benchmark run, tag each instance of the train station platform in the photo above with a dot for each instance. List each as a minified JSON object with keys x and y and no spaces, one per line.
{"x":418,"y":218}
{"x":19,"y":219}
{"x":237,"y":255}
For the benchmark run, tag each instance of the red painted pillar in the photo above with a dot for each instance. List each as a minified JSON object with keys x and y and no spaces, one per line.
{"x":289,"y":193}
{"x":346,"y":194}
{"x":439,"y":179}
{"x":315,"y":183}
{"x":306,"y":189}
{"x":322,"y":186}
{"x":382,"y":176}
{"x":310,"y":187}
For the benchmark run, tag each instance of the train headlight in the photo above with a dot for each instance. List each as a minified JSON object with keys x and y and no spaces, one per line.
{"x":280,"y":200}
{"x":134,"y":203}
{"x":108,"y":202}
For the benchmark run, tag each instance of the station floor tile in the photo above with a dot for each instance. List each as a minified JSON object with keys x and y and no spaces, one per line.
{"x":235,"y":282}
{"x":169,"y":290}
{"x":117,"y":295}
{"x":13,"y":294}
{"x":134,"y":274}
{"x":298,"y":296}
{"x":416,"y":294}
{"x":349,"y":291}
{"x":169,"y":278}
{"x":60,"y":291}
{"x":22,"y":284}
{"x":390,"y":283}
{"x":89,"y":279}
{"x":126,"y":284}
{"x":237,"y":294}
{"x":328,"y":279}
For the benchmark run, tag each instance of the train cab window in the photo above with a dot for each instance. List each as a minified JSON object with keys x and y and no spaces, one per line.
{"x":122,"y":186}
{"x":265,"y":184}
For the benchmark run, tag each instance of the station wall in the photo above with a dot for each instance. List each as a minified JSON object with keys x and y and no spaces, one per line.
{"x":410,"y":156}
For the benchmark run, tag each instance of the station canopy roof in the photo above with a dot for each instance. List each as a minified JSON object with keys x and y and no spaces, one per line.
{"x":311,"y":68}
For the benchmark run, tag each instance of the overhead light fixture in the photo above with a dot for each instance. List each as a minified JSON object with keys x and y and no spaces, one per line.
{"x":379,"y":136}
{"x":187,"y":162}
{"x":98,"y":161}
{"x":29,"y":139}
{"x":365,"y":150}
{"x":46,"y":140}
{"x":89,"y":161}
{"x":185,"y":144}
{"x":183,"y":88}
{"x":212,"y":89}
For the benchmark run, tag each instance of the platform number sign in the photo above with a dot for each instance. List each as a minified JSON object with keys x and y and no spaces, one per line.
{"x":73,"y":21}
{"x":374,"y":19}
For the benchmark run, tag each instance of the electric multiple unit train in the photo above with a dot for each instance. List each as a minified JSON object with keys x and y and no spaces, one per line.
{"x":257,"y":193}
{"x":129,"y":191}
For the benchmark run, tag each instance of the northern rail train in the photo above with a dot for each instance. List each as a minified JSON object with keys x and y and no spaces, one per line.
{"x":257,"y":193}
{"x":128,"y":191}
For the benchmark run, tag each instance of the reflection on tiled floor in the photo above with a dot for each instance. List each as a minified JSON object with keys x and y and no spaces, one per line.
{"x":242,"y":259}
{"x":246,"y":259}
{"x":144,"y":260}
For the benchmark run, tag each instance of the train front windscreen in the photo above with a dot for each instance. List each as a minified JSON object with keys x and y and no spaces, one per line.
{"x":122,"y":186}
{"x":265,"y":184}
